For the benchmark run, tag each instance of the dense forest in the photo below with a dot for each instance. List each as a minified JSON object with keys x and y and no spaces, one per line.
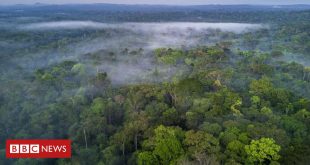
{"x":158,"y":85}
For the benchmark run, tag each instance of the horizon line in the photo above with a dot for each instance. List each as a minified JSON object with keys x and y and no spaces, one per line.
{"x":141,"y":4}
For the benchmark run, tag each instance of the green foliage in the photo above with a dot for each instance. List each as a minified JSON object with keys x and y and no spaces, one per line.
{"x":294,"y":127}
{"x":170,"y":116}
{"x":213,"y":128}
{"x":261,"y":88}
{"x":168,"y":56}
{"x":264,"y":89}
{"x":98,"y":105}
{"x":167,"y":146}
{"x":262,"y":150}
{"x":229,"y":135}
{"x":276,"y":53}
{"x":255,"y":100}
{"x":266,"y":111}
{"x":233,"y":108}
{"x":216,"y":54}
{"x":147,"y":158}
{"x":201,"y":142}
{"x":235,"y":150}
{"x":225,"y":101}
{"x":79,"y":69}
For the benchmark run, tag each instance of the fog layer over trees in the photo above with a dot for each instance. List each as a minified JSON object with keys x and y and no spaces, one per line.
{"x":158,"y":84}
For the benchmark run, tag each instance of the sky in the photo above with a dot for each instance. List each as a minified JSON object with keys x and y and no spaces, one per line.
{"x":166,"y":2}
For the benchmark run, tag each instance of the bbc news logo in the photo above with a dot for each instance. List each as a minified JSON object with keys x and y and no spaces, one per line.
{"x":38,"y":149}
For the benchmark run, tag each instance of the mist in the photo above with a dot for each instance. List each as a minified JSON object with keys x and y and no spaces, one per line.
{"x":128,"y":68}
{"x":145,"y":27}
{"x":96,"y":73}
{"x":63,"y":25}
{"x":114,"y":38}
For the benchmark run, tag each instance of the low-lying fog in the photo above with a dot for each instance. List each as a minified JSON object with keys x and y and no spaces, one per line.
{"x":131,"y":36}
{"x":152,"y":35}
{"x":156,"y":27}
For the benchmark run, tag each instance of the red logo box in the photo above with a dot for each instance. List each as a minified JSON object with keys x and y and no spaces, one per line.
{"x":38,"y":148}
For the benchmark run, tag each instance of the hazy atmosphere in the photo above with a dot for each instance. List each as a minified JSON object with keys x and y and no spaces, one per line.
{"x":170,"y":2}
{"x":186,"y":83}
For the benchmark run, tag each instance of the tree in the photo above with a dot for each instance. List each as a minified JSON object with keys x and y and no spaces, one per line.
{"x":213,"y":128}
{"x":235,"y":150}
{"x":276,"y":53}
{"x":169,"y":56}
{"x":234,"y":110}
{"x":294,"y":127}
{"x":225,"y":102}
{"x":98,"y":105}
{"x":216,"y":54}
{"x":170,"y":116}
{"x":201,"y":145}
{"x":135,"y":127}
{"x":147,"y":158}
{"x":306,"y":74}
{"x":195,"y":116}
{"x":101,"y":84}
{"x":79,"y":69}
{"x":262,"y":151}
{"x":167,"y":147}
{"x":264,"y":89}
{"x":229,"y":135}
{"x":139,"y":95}
{"x":255,"y":100}
{"x":261,"y":88}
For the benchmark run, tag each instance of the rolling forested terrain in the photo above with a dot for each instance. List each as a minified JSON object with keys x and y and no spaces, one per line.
{"x":158,"y":85}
